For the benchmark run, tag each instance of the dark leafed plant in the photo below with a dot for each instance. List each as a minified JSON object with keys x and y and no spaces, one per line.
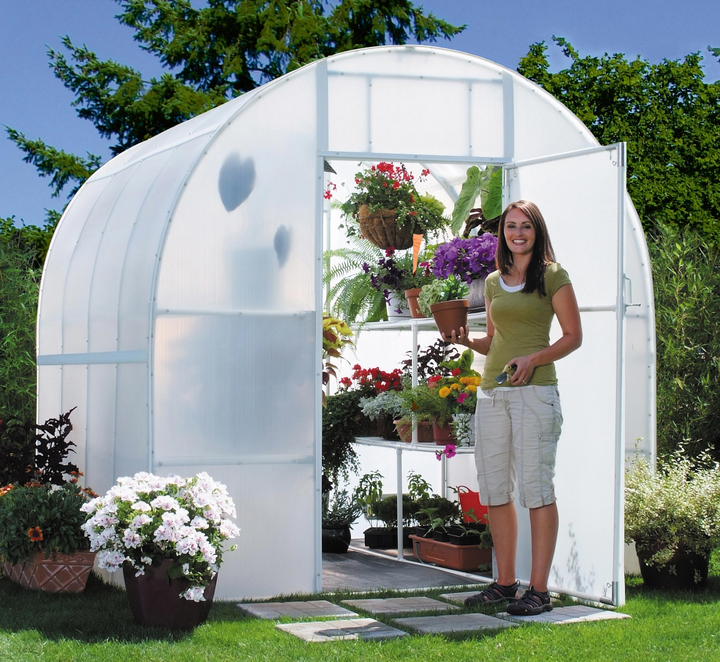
{"x":52,"y":447}
{"x":16,"y":450}
{"x":430,"y":358}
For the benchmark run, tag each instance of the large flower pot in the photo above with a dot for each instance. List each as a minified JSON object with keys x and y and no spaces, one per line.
{"x":336,"y":540}
{"x":442,"y":434}
{"x":459,"y":557}
{"x":155,"y":599}
{"x":684,"y":571}
{"x":381,"y":228}
{"x":412,"y":299}
{"x":59,"y":573}
{"x":450,"y":315}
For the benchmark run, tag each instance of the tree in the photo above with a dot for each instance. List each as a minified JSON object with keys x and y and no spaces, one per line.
{"x":668,"y":115}
{"x":215,"y":53}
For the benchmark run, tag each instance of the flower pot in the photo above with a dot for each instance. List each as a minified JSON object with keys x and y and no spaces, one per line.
{"x":442,"y":434}
{"x":424,"y":431}
{"x":386,"y":428}
{"x":383,"y":537}
{"x":59,"y":573}
{"x":459,"y":557}
{"x":397,"y":303}
{"x":155,"y":598}
{"x":685,"y":571}
{"x":336,"y":540}
{"x":476,"y":296}
{"x":450,"y":315}
{"x":412,"y":299}
{"x":381,"y":228}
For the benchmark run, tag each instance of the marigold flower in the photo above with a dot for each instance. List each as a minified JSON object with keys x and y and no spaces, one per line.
{"x":444,"y":392}
{"x":35,"y":534}
{"x":455,"y":387}
{"x":471,"y":387}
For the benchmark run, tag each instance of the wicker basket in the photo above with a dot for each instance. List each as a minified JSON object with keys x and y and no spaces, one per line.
{"x":381,"y":229}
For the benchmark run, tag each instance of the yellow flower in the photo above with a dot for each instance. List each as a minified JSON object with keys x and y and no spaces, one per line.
{"x":471,"y":387}
{"x":465,"y":380}
{"x":444,"y":392}
{"x":477,"y":381}
{"x":456,"y":387}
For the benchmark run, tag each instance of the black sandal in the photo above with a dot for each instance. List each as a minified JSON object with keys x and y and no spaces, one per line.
{"x":532,"y":603}
{"x":493,"y":594}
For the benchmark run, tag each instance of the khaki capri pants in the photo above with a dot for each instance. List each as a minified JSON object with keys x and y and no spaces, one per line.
{"x":516,"y":435}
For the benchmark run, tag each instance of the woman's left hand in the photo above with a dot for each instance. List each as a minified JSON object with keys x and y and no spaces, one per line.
{"x":524,"y":368}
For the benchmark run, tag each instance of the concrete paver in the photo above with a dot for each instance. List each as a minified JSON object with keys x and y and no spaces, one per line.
{"x":358,"y":628}
{"x":300,"y":609}
{"x":400,"y":605}
{"x":566,"y":615}
{"x":454,"y":623}
{"x":458,"y":598}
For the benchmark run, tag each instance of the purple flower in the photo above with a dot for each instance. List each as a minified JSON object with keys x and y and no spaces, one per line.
{"x":466,"y":258}
{"x":450,"y":450}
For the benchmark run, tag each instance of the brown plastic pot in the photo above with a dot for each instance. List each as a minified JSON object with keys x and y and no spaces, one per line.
{"x":412,"y":299}
{"x":450,"y":316}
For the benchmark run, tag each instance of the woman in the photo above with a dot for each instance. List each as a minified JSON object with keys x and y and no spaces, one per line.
{"x":518,"y":421}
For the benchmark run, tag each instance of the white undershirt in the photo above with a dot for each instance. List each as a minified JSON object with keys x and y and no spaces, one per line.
{"x":511,"y":288}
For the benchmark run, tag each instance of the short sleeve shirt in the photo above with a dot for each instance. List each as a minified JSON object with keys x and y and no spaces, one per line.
{"x":522,"y":325}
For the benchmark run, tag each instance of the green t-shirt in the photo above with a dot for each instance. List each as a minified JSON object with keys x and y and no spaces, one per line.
{"x":522,"y":325}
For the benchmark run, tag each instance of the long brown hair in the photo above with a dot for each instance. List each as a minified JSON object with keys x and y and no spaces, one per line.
{"x":542,"y":253}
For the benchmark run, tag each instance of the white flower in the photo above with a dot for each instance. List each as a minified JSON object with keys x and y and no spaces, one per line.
{"x":110,"y":560}
{"x":164,"y":503}
{"x":141,"y":506}
{"x":186,"y":568}
{"x":139,"y":521}
{"x":228,"y":529}
{"x":131,"y":538}
{"x":145,"y":560}
{"x":199,"y":523}
{"x":194,"y":593}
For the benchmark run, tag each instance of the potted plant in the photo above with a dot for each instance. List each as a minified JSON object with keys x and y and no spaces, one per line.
{"x":338,"y":515}
{"x":336,"y":335}
{"x":385,"y":408}
{"x":168,"y":535}
{"x":387,"y":209}
{"x":445,"y":301}
{"x":673,"y":516}
{"x":470,"y":260}
{"x":42,"y":545}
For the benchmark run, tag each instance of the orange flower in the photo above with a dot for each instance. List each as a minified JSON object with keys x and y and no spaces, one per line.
{"x":35,"y":534}
{"x":5,"y":490}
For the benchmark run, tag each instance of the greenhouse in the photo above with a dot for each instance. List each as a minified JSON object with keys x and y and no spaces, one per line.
{"x":182,"y":298}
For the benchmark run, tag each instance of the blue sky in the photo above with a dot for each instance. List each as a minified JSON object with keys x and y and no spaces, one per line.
{"x":35,"y":103}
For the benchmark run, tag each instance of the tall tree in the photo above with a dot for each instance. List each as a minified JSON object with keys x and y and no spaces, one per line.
{"x":668,"y":115}
{"x":212,"y":54}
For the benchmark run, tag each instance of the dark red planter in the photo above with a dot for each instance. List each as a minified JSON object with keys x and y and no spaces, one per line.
{"x":442,"y":434}
{"x":155,"y":599}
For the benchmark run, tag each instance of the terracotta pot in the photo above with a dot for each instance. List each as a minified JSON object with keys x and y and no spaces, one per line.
{"x":424,"y":431}
{"x":381,"y":228}
{"x":459,"y":557}
{"x":155,"y":599}
{"x":59,"y":573}
{"x":450,"y":315}
{"x":412,"y":299}
{"x":442,"y":434}
{"x":684,"y":571}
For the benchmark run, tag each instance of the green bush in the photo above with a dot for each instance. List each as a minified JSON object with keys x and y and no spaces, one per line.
{"x":686,"y":275}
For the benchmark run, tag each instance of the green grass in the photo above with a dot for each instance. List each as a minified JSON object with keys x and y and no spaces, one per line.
{"x":98,"y":626}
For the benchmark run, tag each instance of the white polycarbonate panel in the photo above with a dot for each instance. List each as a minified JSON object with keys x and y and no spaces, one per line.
{"x":585,"y":469}
{"x":67,"y":235}
{"x":74,"y":392}
{"x":487,"y":119}
{"x":273,"y":555}
{"x":578,"y":198}
{"x":543,"y":125}
{"x":100,"y":426}
{"x":131,"y":446}
{"x":234,"y":385}
{"x":81,"y":267}
{"x":49,"y":392}
{"x":164,"y":174}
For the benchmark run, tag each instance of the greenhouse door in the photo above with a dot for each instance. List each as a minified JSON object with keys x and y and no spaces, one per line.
{"x":581,"y":195}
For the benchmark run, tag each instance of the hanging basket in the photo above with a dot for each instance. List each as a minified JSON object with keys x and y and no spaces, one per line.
{"x":381,"y":228}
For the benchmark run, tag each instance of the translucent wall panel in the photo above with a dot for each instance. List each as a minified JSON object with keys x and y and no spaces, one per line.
{"x":236,"y":329}
{"x":131,"y":447}
{"x":100,"y":426}
{"x":386,"y":103}
{"x":578,"y":197}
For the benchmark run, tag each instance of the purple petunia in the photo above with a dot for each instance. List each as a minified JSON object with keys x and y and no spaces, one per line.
{"x":466,"y":258}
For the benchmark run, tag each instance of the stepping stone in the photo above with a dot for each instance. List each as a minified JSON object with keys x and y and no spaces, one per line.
{"x":400,"y":605}
{"x":357,"y":628}
{"x":309,"y":609}
{"x":565,"y":615}
{"x":458,"y":598}
{"x":454,"y":623}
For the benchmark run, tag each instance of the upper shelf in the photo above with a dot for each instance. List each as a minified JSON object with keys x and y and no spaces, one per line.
{"x":422,"y":323}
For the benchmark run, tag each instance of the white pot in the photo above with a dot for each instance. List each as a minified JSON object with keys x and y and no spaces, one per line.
{"x":397,"y":302}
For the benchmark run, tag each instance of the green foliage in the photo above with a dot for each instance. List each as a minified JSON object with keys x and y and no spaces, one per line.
{"x":341,"y":422}
{"x":427,"y":405}
{"x":686,"y":278}
{"x":41,"y":518}
{"x":342,"y":510}
{"x":668,"y":115}
{"x":386,"y":510}
{"x":385,"y":403}
{"x":437,"y":512}
{"x":487,"y":184}
{"x":216,"y":52}
{"x":676,"y":508}
{"x":369,"y":492}
{"x":441,"y":290}
{"x":19,"y":284}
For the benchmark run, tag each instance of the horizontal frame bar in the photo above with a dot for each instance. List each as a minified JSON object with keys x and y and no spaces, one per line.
{"x":202,"y":460}
{"x":94,"y":358}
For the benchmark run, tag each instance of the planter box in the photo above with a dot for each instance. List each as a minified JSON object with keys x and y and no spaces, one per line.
{"x":458,"y":557}
{"x":380,"y":537}
{"x":66,"y":573}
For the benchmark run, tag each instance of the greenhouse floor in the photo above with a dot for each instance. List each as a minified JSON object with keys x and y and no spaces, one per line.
{"x":368,"y":570}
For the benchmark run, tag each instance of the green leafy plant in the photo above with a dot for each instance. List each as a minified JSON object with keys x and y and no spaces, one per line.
{"x":385,"y":510}
{"x":368,"y":493}
{"x":487,"y":184}
{"x":429,"y":360}
{"x":336,"y":336}
{"x":437,"y":512}
{"x":339,"y":511}
{"x":341,"y":422}
{"x":441,"y":290}
{"x":673,"y":509}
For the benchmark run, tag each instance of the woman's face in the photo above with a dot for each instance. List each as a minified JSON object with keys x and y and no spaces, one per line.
{"x":519,"y":233}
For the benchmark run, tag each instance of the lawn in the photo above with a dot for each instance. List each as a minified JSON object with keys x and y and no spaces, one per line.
{"x":98,"y":626}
